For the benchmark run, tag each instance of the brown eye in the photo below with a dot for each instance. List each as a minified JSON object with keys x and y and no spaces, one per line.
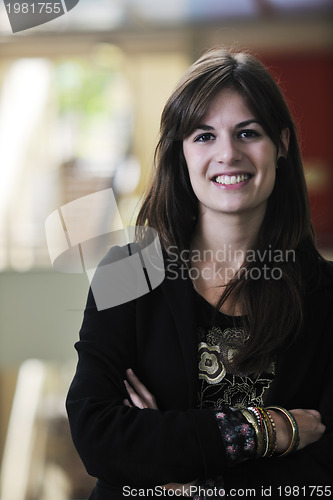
{"x":248,"y":134}
{"x":204,"y":137}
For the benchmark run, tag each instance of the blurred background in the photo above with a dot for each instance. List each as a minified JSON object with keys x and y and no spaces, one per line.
{"x":80,"y":103}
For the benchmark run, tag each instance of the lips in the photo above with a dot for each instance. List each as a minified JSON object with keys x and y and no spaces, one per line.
{"x":228,"y":180}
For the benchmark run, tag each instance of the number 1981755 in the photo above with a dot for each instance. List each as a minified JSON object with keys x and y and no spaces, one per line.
{"x":304,"y":491}
{"x":34,"y":8}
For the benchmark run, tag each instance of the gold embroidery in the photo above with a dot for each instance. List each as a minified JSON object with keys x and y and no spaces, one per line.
{"x":220,"y":383}
{"x":211,"y":367}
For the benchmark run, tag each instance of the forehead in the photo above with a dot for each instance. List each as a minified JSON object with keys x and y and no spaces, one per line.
{"x":228,"y":104}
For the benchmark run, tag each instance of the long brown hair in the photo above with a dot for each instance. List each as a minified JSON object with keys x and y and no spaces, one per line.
{"x":272,"y":307}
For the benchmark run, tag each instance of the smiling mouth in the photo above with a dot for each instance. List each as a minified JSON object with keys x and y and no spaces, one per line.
{"x":226,"y":180}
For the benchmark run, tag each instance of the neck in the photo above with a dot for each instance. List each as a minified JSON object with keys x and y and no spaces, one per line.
{"x":226,"y":236}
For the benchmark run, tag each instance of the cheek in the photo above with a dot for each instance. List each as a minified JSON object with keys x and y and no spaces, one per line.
{"x":192,"y":162}
{"x":186,"y":152}
{"x":189,"y":165}
{"x":196,"y":176}
{"x":269,"y":173}
{"x":195,"y":182}
{"x":267,"y":162}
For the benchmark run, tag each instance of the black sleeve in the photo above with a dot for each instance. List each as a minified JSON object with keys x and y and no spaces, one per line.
{"x":123,"y":445}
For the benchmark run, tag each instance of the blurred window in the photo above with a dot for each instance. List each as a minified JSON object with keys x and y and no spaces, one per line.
{"x":65,"y":126}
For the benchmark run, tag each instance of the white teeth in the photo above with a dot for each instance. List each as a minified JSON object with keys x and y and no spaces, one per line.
{"x":231,"y":179}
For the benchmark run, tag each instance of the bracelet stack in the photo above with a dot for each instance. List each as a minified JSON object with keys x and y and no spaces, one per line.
{"x":264,"y":427}
{"x":294,"y":427}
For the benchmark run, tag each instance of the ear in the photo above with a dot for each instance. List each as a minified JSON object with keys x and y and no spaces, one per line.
{"x":284,"y":141}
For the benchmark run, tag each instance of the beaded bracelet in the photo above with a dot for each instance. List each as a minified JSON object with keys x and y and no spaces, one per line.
{"x":295,"y":434}
{"x":273,"y":428}
{"x":263,"y":435}
{"x":270,"y":428}
{"x":263,"y":430}
{"x":263,"y":426}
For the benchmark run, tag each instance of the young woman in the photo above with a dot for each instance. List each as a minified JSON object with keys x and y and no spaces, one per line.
{"x":230,"y":386}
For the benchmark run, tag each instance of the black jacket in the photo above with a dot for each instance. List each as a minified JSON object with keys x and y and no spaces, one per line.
{"x":155,"y":335}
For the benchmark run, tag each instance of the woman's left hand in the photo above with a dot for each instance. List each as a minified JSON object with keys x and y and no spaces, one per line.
{"x":138,"y":393}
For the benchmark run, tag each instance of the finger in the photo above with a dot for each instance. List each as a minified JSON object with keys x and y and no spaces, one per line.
{"x":137,"y":385}
{"x":127,"y":403}
{"x":141,"y":389}
{"x":136,"y":400}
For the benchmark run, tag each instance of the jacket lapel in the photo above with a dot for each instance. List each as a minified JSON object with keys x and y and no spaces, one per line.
{"x":178,"y":292}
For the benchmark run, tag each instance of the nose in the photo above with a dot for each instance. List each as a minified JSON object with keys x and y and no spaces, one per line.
{"x":227,"y":150}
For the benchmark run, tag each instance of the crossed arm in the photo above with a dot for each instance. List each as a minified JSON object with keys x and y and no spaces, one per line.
{"x":309,"y":422}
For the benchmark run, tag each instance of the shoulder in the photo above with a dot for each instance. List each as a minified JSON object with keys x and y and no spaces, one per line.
{"x":329,"y":269}
{"x":318,"y":296}
{"x":323,"y":276}
{"x":316,"y":272}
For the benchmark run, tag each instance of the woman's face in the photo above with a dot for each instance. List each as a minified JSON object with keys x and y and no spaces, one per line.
{"x":230,"y":159}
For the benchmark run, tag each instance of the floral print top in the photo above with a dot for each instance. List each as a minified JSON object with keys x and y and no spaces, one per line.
{"x":219,"y":337}
{"x":224,"y":390}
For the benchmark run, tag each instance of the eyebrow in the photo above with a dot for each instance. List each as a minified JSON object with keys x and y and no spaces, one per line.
{"x":204,"y":127}
{"x":239,"y":125}
{"x":247,"y":122}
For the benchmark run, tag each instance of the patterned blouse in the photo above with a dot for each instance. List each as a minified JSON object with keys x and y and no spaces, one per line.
{"x":224,"y":390}
{"x":219,"y":337}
